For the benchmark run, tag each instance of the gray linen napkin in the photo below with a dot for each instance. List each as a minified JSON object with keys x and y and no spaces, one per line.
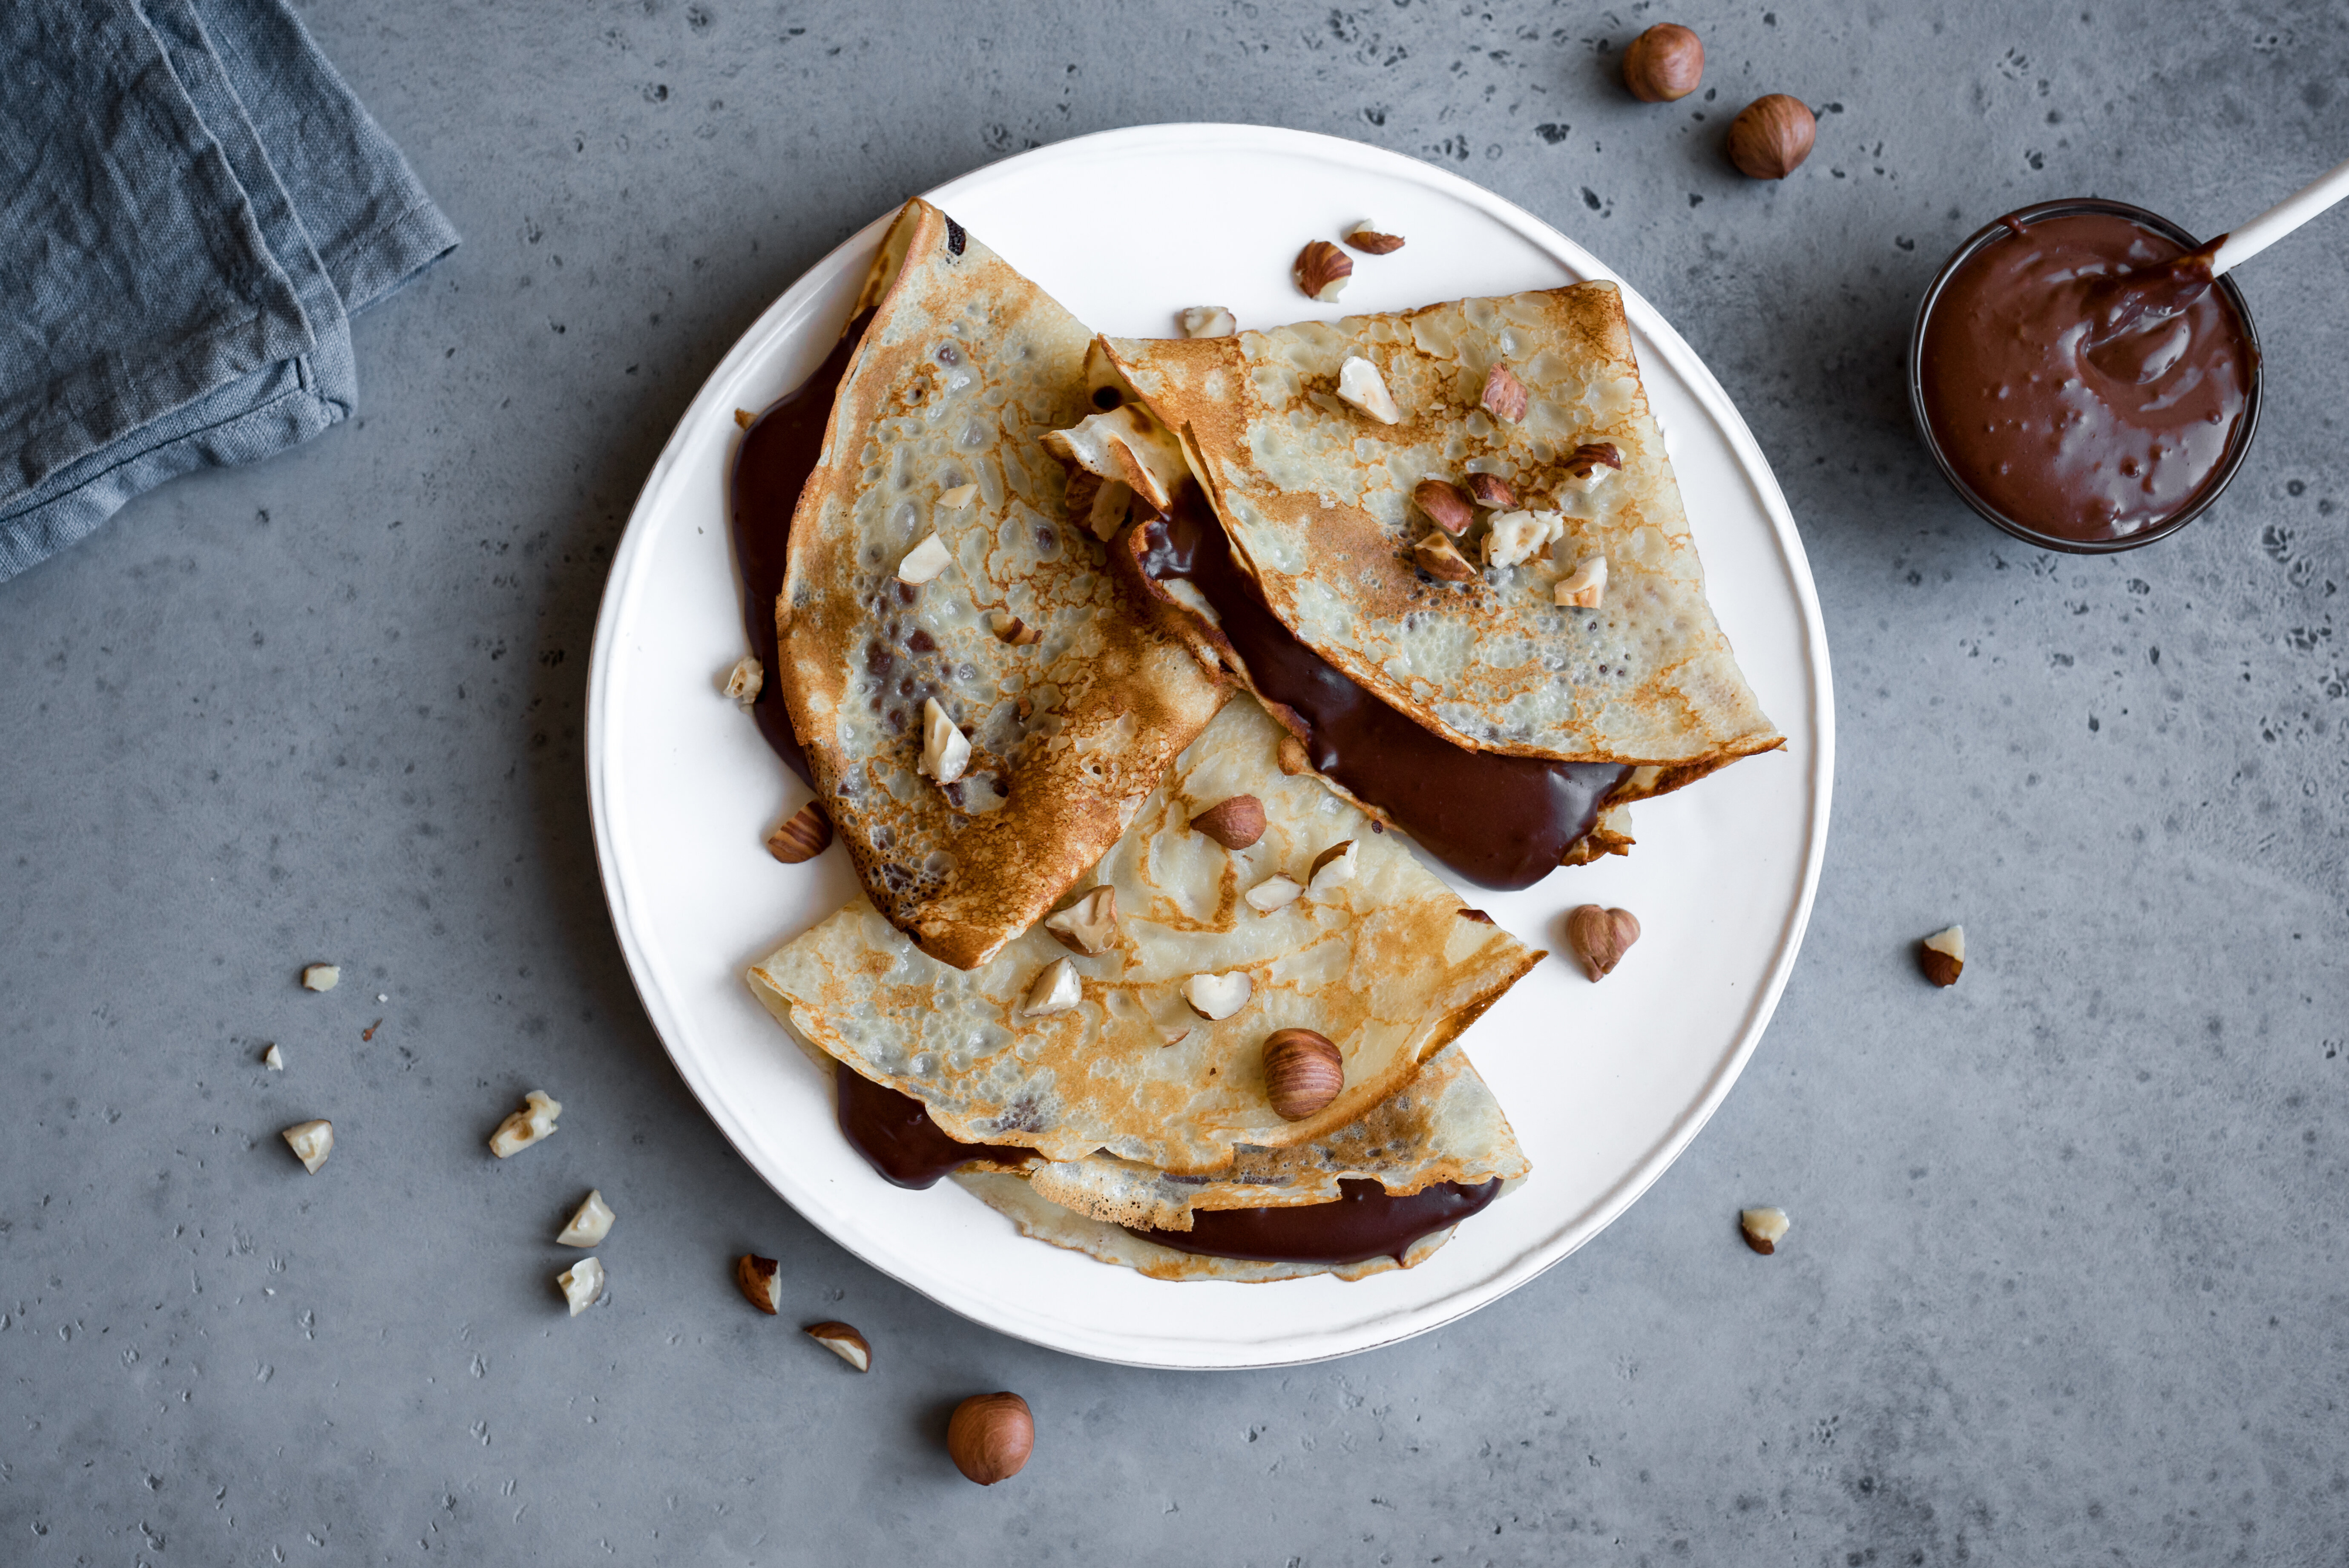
{"x":191,"y":203}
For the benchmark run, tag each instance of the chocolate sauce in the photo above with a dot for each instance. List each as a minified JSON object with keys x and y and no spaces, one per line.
{"x":1499,"y":821}
{"x":2082,"y":375}
{"x":1367,"y":1222}
{"x":779,"y":452}
{"x":895,"y":1133}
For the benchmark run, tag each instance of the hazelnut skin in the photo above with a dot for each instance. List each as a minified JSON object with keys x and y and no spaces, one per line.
{"x":1772,"y":136}
{"x":1663,"y":64}
{"x":990,"y":1436}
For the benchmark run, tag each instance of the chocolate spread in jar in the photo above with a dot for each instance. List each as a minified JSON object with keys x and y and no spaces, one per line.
{"x":1499,"y":821}
{"x":1368,"y":1222}
{"x":778,"y":453}
{"x":2081,"y":375}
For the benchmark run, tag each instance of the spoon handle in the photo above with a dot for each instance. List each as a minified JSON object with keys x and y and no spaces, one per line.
{"x":2280,"y":219}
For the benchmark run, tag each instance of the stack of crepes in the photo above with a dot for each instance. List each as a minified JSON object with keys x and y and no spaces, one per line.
{"x":1052,"y":600}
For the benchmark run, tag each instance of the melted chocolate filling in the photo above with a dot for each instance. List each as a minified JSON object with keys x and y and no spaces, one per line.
{"x":1368,"y":1222}
{"x":779,"y":452}
{"x":893,"y":1131}
{"x":1499,"y":821}
{"x":894,"y":1134}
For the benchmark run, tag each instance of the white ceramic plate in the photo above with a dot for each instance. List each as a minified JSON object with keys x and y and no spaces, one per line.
{"x":1605,"y":1085}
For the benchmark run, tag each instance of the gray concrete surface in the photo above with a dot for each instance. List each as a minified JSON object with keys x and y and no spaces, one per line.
{"x":2066,"y":1280}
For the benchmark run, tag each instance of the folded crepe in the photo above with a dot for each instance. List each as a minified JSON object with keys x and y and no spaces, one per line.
{"x":1068,"y":692}
{"x":1388,"y":964}
{"x":1040,"y":1218}
{"x":1317,"y":497}
{"x":1443,"y":1125}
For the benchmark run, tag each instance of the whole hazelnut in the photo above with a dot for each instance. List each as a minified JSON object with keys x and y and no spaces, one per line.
{"x":1663,"y":64}
{"x":1303,"y":1073}
{"x":990,"y":1436}
{"x":1771,"y":137}
{"x":1236,"y":824}
{"x":1601,"y":935}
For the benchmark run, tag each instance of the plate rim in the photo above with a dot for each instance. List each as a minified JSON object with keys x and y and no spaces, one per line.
{"x":782,"y":317}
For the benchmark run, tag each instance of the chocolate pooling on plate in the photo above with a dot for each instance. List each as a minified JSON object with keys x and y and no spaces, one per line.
{"x":778,"y":453}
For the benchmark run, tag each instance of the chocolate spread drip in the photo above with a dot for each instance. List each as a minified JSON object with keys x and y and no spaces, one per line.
{"x":1499,"y":821}
{"x":1367,"y":1222}
{"x":2084,"y":377}
{"x":778,"y":453}
{"x":895,"y":1133}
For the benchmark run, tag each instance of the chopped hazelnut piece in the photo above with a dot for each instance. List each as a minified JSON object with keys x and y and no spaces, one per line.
{"x":1584,"y":586}
{"x":946,"y":751}
{"x":1763,"y":1227}
{"x":322,"y":977}
{"x":1440,"y":559}
{"x":746,"y":679}
{"x":1088,"y":925}
{"x":590,"y":1222}
{"x":1209,"y":321}
{"x":1218,"y":996}
{"x":1491,"y":492}
{"x":924,"y":561}
{"x":1332,"y":868}
{"x":1056,"y":989}
{"x":1516,"y":536}
{"x":534,"y":1123}
{"x":960,"y":496}
{"x":1446,"y":504}
{"x":582,"y":1284}
{"x":1359,"y":384}
{"x":1273,"y":893}
{"x":274,"y":1059}
{"x":845,"y":1342}
{"x":1365,"y":237}
{"x":311,"y":1142}
{"x":1592,"y":462}
{"x":800,"y":837}
{"x":1504,"y":396}
{"x":1942,"y":956}
{"x":1010,"y":629}
{"x":1321,"y":270}
{"x":762,"y":1279}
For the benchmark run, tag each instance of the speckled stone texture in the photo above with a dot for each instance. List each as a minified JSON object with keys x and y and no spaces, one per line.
{"x":2066,"y":1278}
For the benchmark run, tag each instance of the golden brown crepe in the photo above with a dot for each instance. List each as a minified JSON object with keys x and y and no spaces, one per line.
{"x":1443,"y":1125}
{"x":965,"y":366}
{"x":1389,"y":965}
{"x":1040,"y":1218}
{"x":1316,"y":498}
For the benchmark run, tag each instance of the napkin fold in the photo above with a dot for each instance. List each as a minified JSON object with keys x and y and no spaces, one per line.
{"x":193,"y":205}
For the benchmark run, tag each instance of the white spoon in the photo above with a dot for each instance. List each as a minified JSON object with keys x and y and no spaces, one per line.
{"x":2125,"y":308}
{"x":2243,"y":243}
